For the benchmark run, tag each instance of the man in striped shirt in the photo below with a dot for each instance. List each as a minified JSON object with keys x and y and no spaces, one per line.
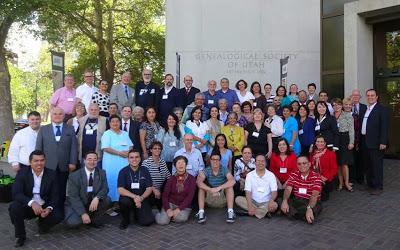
{"x":215,"y":188}
{"x":306,"y":187}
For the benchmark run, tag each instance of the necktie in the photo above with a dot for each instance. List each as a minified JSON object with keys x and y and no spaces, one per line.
{"x":58,"y":132}
{"x":187,"y":91}
{"x":126,"y":92}
{"x":90,"y":194}
{"x":126,"y":126}
{"x":355,"y":110}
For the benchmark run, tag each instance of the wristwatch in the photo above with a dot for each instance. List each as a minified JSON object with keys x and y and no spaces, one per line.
{"x":309,"y":207}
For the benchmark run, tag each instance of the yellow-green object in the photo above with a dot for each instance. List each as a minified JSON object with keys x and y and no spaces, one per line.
{"x":4,"y":148}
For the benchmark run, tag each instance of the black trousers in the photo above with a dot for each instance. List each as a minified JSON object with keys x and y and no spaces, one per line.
{"x":143,"y":215}
{"x":298,"y":207}
{"x":326,"y":189}
{"x":373,"y":162}
{"x":357,"y":171}
{"x":19,"y":212}
{"x":62,"y":178}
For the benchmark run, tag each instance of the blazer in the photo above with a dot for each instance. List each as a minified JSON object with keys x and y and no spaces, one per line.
{"x":165,"y":106}
{"x":377,"y":127}
{"x":146,"y":95}
{"x":188,"y":98}
{"x":329,"y":130}
{"x":101,"y":128}
{"x":23,"y":185}
{"x":77,"y":196}
{"x":134,"y":135}
{"x":58,"y":154}
{"x":118,"y":96}
{"x":327,"y":164}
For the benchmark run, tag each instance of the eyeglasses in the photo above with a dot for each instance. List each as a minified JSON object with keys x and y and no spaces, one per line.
{"x":156,"y":148}
{"x":88,"y":76}
{"x":214,"y":159}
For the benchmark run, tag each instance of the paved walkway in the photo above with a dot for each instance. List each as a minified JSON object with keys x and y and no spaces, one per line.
{"x":349,"y":220}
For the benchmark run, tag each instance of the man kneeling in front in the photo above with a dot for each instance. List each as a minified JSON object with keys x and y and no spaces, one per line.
{"x":87,"y":190}
{"x":34,"y":195}
{"x":261,"y":191}
{"x":301,"y":199}
{"x":215,"y":188}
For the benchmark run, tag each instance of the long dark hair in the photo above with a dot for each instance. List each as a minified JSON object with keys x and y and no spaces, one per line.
{"x":276,"y":149}
{"x":194,"y":110}
{"x":209,"y":113}
{"x":327,"y":113}
{"x":177,"y":131}
{"x":259,"y":85}
{"x":226,"y":142}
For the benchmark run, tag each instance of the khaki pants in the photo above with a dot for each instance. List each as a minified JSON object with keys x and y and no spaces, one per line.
{"x":217,"y":201}
{"x":261,"y":208}
{"x":163,"y":219}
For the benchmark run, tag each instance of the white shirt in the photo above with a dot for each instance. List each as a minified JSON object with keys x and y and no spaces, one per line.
{"x":199,"y":131}
{"x":247,"y":97}
{"x":330,"y":108}
{"x":22,"y":145}
{"x":276,"y":125}
{"x":167,"y":89}
{"x":261,"y":188}
{"x":37,"y":181}
{"x":88,"y":174}
{"x":85,"y":92}
{"x":365,"y":119}
{"x":128,"y":125}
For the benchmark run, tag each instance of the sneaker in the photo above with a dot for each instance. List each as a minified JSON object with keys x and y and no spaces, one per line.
{"x":230,"y":218}
{"x":201,"y":217}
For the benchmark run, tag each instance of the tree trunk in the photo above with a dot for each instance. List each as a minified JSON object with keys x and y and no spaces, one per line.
{"x":6,"y":117}
{"x":109,"y":47}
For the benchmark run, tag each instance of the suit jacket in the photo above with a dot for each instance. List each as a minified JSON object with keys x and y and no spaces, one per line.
{"x":77,"y":196}
{"x":23,"y":185}
{"x":101,"y":128}
{"x":329,"y":130}
{"x":134,"y":133}
{"x":118,"y":96}
{"x":165,"y":106}
{"x":377,"y":127}
{"x":59,"y":153}
{"x":188,"y":98}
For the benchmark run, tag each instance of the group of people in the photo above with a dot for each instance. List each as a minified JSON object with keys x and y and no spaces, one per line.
{"x":157,"y":153}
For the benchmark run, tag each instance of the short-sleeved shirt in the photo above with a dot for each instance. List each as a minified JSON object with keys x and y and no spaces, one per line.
{"x":304,"y":186}
{"x":257,"y":139}
{"x":261,"y":187}
{"x":102,"y":100}
{"x":195,"y":161}
{"x":216,"y":180}
{"x":151,"y":132}
{"x":159,"y":174}
{"x":64,"y":98}
{"x":85,"y":93}
{"x":247,"y":97}
{"x":128,"y":179}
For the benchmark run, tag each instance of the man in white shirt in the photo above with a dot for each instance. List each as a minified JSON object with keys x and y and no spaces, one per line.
{"x":261,"y":191}
{"x":24,"y":142}
{"x":85,"y":92}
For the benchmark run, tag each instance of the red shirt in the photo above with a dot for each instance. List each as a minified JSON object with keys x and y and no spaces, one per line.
{"x":303,"y":187}
{"x":282,"y":169}
{"x":183,"y":199}
{"x":327,"y":164}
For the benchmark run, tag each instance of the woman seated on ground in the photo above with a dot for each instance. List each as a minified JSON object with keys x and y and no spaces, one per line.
{"x":226,"y":154}
{"x":243,"y":166}
{"x":177,"y":195}
{"x":282,"y":164}
{"x":323,"y":161}
{"x":158,"y":171}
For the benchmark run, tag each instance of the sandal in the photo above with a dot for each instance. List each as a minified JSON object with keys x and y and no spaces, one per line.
{"x":339,"y":188}
{"x":351,"y":190}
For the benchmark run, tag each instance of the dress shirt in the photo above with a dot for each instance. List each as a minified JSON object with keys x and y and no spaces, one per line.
{"x":88,"y":174}
{"x":22,"y":145}
{"x":167,"y":89}
{"x":128,"y":124}
{"x":195,"y":160}
{"x":365,"y":119}
{"x":55,"y":127}
{"x":85,"y":93}
{"x":64,"y":98}
{"x":37,"y":182}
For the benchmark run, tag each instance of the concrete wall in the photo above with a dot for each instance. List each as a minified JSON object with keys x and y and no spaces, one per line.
{"x":244,"y":39}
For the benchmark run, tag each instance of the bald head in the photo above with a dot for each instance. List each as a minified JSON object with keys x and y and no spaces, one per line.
{"x":355,"y":96}
{"x":187,"y":141}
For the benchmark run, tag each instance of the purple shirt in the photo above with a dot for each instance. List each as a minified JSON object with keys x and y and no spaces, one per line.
{"x":64,"y":98}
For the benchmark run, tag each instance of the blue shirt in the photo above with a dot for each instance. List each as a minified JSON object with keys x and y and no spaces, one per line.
{"x":289,"y":126}
{"x":216,"y":180}
{"x":127,"y":176}
{"x":224,"y":157}
{"x":195,"y":161}
{"x":230,"y":96}
{"x":55,"y":128}
{"x":210,"y":100}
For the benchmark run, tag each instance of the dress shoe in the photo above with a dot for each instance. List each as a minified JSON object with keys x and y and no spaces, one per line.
{"x":20,"y":242}
{"x":123,"y":225}
{"x":96,"y":225}
{"x":375,"y":192}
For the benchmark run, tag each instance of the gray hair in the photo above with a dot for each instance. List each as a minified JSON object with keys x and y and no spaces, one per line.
{"x":138,"y":108}
{"x":177,"y":109}
{"x":222,"y":100}
{"x":199,"y":95}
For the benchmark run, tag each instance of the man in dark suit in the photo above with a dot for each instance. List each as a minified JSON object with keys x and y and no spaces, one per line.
{"x":87,"y":198}
{"x":357,"y":172}
{"x":131,"y":126}
{"x":146,"y":91}
{"x":374,"y":139}
{"x":34,"y":195}
{"x":169,"y":99}
{"x":58,"y":141}
{"x":188,"y":92}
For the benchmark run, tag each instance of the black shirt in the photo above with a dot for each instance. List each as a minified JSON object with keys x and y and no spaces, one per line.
{"x":127,"y":178}
{"x":257,"y":139}
{"x":146,"y":95}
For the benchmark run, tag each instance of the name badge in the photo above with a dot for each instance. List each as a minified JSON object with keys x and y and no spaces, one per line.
{"x":90,"y":189}
{"x":123,"y":143}
{"x":303,"y":190}
{"x":261,"y":189}
{"x":256,"y":134}
{"x":189,"y":167}
{"x":152,"y":91}
{"x":165,"y":97}
{"x":210,"y":101}
{"x":71,"y":99}
{"x":89,"y":131}
{"x":283,"y":170}
{"x":301,"y":132}
{"x":338,"y":125}
{"x":254,"y":104}
{"x":172,"y":144}
{"x":141,"y":92}
{"x":135,"y":185}
{"x":58,"y":138}
{"x":284,"y":130}
{"x":317,"y":128}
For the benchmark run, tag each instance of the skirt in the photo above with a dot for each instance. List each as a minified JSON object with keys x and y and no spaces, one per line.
{"x":344,"y":155}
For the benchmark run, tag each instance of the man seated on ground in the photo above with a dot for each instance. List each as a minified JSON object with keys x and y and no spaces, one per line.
{"x":215,"y":185}
{"x":87,"y":198}
{"x":134,"y":187}
{"x":261,"y":191}
{"x":34,"y":195}
{"x":306,"y":186}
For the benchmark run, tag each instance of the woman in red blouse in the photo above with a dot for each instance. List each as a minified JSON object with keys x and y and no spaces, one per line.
{"x":323,"y":161}
{"x":282,"y":163}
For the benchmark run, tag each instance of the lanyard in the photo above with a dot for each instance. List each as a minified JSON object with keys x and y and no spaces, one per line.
{"x":319,"y":122}
{"x":130,"y":174}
